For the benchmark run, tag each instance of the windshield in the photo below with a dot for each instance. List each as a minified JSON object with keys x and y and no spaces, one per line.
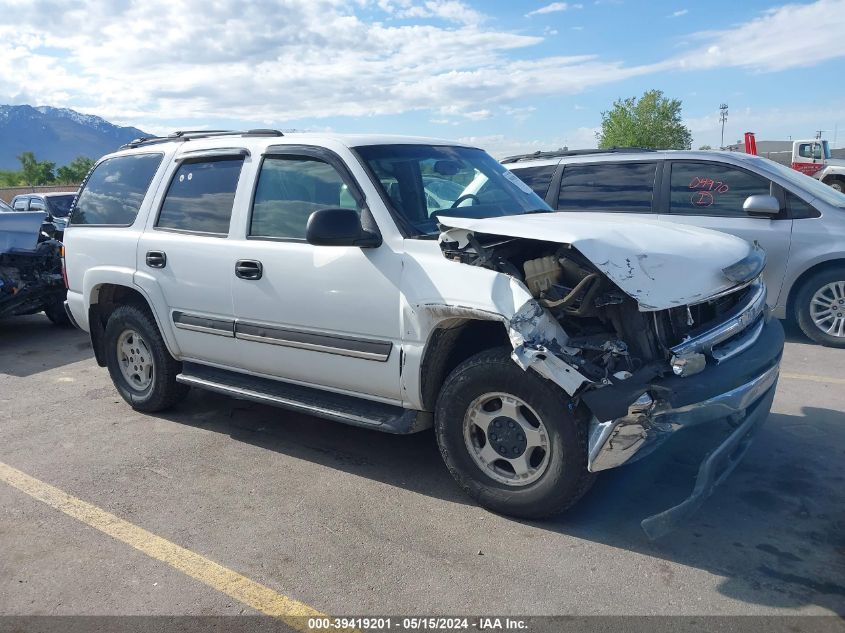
{"x":424,"y":182}
{"x":814,"y":187}
{"x":59,"y":206}
{"x":4,"y":206}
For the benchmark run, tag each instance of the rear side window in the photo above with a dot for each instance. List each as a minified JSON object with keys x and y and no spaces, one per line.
{"x":114,"y":191}
{"x":200,"y":196}
{"x":538,"y":178}
{"x":713,"y":189}
{"x":615,"y":187}
{"x":289,"y":190}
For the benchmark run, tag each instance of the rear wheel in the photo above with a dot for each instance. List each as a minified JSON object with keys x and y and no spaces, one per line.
{"x":142,"y":369}
{"x":820,"y":307}
{"x":56,"y":313}
{"x":509,"y":439}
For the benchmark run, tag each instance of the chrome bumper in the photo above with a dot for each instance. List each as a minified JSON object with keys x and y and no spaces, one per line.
{"x":617,"y":442}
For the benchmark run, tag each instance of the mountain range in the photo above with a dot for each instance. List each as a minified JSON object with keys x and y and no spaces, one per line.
{"x":57,"y":134}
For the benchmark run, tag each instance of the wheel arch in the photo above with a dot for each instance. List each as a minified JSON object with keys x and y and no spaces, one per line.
{"x":804,"y":276}
{"x":449,"y":344}
{"x":103,"y":299}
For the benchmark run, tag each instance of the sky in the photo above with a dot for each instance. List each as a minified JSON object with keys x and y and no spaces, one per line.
{"x":509,"y":76}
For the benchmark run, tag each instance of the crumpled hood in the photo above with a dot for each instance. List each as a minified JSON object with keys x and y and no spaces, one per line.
{"x":659,"y":264}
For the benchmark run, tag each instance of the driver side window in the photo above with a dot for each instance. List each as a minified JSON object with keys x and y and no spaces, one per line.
{"x":289,"y":190}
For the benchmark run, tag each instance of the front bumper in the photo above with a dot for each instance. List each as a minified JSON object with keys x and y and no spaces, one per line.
{"x":739,"y":390}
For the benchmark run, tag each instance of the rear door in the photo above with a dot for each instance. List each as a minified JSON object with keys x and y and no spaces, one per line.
{"x":710,"y":195}
{"x":185,"y":258}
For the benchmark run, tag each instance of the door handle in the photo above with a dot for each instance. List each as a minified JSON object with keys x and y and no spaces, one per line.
{"x":248,"y":269}
{"x":156,"y":259}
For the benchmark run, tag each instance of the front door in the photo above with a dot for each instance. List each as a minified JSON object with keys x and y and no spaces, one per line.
{"x":321,"y":315}
{"x":710,"y":195}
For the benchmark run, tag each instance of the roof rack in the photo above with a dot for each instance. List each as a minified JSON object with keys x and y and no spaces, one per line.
{"x":187,"y":135}
{"x":574,"y":152}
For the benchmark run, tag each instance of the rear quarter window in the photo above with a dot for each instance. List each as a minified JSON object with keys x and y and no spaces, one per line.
{"x":538,"y":178}
{"x":114,"y":191}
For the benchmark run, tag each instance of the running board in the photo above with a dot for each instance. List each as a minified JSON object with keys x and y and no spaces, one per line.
{"x":308,"y":400}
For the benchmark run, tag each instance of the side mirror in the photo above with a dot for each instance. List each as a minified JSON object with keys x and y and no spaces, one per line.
{"x":761,"y":205}
{"x":339,"y":227}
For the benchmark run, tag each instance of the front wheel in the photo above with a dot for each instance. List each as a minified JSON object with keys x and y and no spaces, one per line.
{"x":141,"y":368}
{"x":508,"y":438}
{"x":820,"y":307}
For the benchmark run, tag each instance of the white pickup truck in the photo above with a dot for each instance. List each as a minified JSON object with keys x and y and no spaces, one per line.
{"x":398,"y":283}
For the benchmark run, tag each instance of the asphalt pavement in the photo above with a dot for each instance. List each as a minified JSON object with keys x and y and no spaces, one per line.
{"x":342,"y":520}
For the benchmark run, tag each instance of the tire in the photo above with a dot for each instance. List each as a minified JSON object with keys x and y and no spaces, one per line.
{"x":836,"y":183}
{"x":154,"y":386}
{"x":560,"y":483}
{"x":57,"y":315}
{"x":828,"y":286}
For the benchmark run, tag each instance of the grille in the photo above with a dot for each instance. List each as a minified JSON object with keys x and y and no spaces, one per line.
{"x":676,"y":325}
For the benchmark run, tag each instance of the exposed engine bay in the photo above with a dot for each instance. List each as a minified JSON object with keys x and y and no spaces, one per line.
{"x":608,"y":338}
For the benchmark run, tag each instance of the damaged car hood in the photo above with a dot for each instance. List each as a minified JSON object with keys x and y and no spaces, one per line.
{"x":659,"y":264}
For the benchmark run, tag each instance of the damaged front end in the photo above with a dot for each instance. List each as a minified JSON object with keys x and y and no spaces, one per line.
{"x":628,"y":363}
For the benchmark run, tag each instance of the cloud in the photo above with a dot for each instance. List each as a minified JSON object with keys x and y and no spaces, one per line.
{"x":776,"y":40}
{"x":500,"y":145}
{"x":289,"y":61}
{"x":449,"y":10}
{"x":554,"y":7}
{"x":275,"y":60}
{"x":679,"y":13}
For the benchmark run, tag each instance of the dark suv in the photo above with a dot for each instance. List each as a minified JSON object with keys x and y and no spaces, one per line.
{"x":56,"y":204}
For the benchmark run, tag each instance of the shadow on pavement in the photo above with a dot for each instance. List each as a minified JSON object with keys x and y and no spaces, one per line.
{"x":32,"y":344}
{"x":775,"y":530}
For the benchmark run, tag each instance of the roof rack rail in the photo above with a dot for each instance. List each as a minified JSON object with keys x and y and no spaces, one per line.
{"x":187,"y":135}
{"x":574,"y":152}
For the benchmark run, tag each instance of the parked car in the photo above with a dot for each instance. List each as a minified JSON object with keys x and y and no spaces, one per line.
{"x":57,"y":205}
{"x":30,"y":269}
{"x":798,"y":221}
{"x":310,"y":272}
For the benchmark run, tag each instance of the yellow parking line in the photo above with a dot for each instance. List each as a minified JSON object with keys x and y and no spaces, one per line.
{"x":231,"y":583}
{"x":812,"y":378}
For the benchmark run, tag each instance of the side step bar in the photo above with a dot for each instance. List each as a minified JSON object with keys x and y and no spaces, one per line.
{"x":316,"y":402}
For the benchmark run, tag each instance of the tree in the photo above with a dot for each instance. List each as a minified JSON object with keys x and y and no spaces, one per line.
{"x":651,"y":121}
{"x":705,"y":147}
{"x":76,"y":171}
{"x":36,"y":172}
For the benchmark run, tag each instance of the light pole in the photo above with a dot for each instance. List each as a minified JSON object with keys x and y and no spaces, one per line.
{"x":723,"y":116}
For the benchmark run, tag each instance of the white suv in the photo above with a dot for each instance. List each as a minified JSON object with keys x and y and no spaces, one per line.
{"x":398,"y":283}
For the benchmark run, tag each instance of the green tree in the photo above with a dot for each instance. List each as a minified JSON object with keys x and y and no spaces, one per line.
{"x":35,"y":172}
{"x":76,"y":171}
{"x":651,"y":121}
{"x":705,"y":147}
{"x":10,"y":178}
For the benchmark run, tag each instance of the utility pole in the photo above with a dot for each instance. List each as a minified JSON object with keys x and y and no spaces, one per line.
{"x":723,"y":116}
